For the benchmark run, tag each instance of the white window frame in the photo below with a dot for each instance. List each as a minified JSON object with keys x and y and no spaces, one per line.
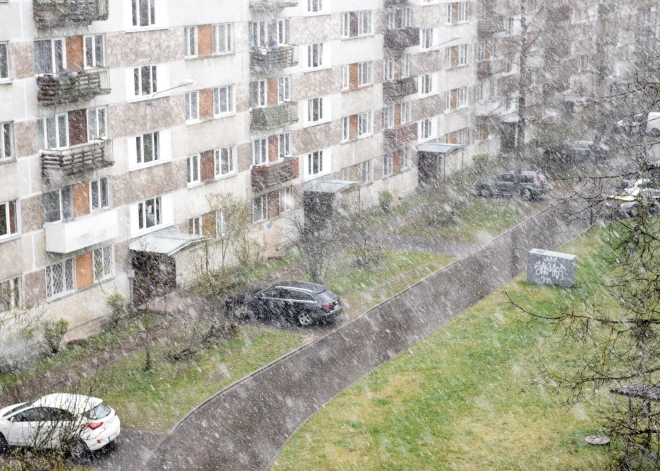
{"x":283,"y":89}
{"x":426,"y":41}
{"x":365,"y":74}
{"x":365,"y":124}
{"x":60,"y":121}
{"x":406,"y":115}
{"x":6,"y":214}
{"x":426,"y":85}
{"x":99,"y":194}
{"x":365,"y":171}
{"x":103,"y":263}
{"x":65,"y":209}
{"x":286,"y":202}
{"x":365,"y":23}
{"x":195,"y":225}
{"x":462,"y":55}
{"x":406,"y":158}
{"x":314,"y":163}
{"x":57,"y":60}
{"x":345,"y":129}
{"x":219,"y":223}
{"x":259,"y":209}
{"x":142,"y":221}
{"x":345,"y":31}
{"x":260,"y":151}
{"x":138,"y":80}
{"x":97,"y":123}
{"x":284,"y":145}
{"x":94,"y":46}
{"x":388,"y":69}
{"x":345,"y":77}
{"x":150,"y":13}
{"x":6,"y":141}
{"x":190,"y":42}
{"x":222,"y":34}
{"x":225,"y":93}
{"x":11,"y":294}
{"x":228,"y":155}
{"x":192,"y":106}
{"x":406,"y":65}
{"x":426,"y":129}
{"x":155,"y":148}
{"x":315,"y":6}
{"x":462,"y":12}
{"x":258,"y":89}
{"x":315,"y":56}
{"x":283,"y":31}
{"x":388,"y":117}
{"x":388,"y":165}
{"x":68,"y":282}
{"x":461,"y":97}
{"x":317,"y":110}
{"x":194,"y":170}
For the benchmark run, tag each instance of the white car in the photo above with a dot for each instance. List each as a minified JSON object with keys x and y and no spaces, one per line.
{"x":49,"y":421}
{"x":642,"y":191}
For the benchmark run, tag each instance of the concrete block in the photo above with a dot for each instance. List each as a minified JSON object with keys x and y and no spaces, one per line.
{"x":551,"y":268}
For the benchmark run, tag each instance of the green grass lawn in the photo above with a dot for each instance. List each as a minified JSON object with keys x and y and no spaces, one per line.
{"x":469,"y":397}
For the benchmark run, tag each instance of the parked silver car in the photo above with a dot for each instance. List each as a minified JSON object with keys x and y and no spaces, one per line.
{"x":532,"y":184}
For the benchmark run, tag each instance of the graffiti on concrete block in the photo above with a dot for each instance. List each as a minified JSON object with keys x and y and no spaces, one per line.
{"x":551,"y":268}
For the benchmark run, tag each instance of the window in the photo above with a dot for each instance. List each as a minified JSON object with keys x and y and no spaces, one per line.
{"x":283,"y":31}
{"x":259,"y":208}
{"x":222,"y":39}
{"x":365,"y":73}
{"x":345,"y":125}
{"x":190,"y":41}
{"x":195,"y":226}
{"x":6,"y":140}
{"x":388,"y":69}
{"x":258,"y":94}
{"x":284,"y":144}
{"x":219,"y":223}
{"x":223,"y":100}
{"x":406,"y":158}
{"x":192,"y":108}
{"x":147,"y":147}
{"x":53,"y":132}
{"x":426,"y":87}
{"x":10,"y":294}
{"x":365,"y":173}
{"x":345,"y":25}
{"x":193,"y":169}
{"x":144,"y":12}
{"x":58,"y":205}
{"x":461,"y":98}
{"x":365,"y":25}
{"x":259,"y":33}
{"x":225,"y":161}
{"x":49,"y":56}
{"x":286,"y":200}
{"x":345,"y":71}
{"x":427,"y":38}
{"x":149,"y":213}
{"x":60,"y":279}
{"x":462,"y":54}
{"x":315,"y":163}
{"x":388,"y":117}
{"x":4,"y":61}
{"x":99,"y":194}
{"x":399,"y":18}
{"x":259,"y":151}
{"x":283,"y":89}
{"x":96,"y":124}
{"x":388,"y":165}
{"x":405,"y":113}
{"x":405,"y":65}
{"x":315,"y":110}
{"x":8,"y":218}
{"x":104,"y":265}
{"x":314,"y":6}
{"x":94,"y":51}
{"x":145,"y":80}
{"x":457,"y":12}
{"x":456,"y":56}
{"x":315,"y":56}
{"x":508,"y":65}
{"x":365,"y":124}
{"x":508,"y":25}
{"x":426,"y":129}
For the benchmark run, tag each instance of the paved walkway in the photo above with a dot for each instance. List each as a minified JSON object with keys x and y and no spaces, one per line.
{"x":244,"y":426}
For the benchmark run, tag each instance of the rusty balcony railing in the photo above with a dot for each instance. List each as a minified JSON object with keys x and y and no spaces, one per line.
{"x":401,"y":38}
{"x":70,"y":87}
{"x":266,"y":59}
{"x":399,"y":136}
{"x":274,"y":116}
{"x":269,"y":176}
{"x":399,"y":88}
{"x":59,"y":13}
{"x":489,"y":26}
{"x":57,"y":163}
{"x":271,"y":5}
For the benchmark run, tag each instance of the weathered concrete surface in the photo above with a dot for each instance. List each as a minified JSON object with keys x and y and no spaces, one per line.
{"x":244,"y":426}
{"x":545,"y":267}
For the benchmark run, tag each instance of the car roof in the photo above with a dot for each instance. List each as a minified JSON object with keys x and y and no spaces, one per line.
{"x":302,"y":285}
{"x":74,"y":403}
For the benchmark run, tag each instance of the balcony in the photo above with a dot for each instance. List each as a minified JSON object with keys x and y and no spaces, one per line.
{"x":396,"y":3}
{"x":271,"y":5}
{"x":268,"y":176}
{"x":61,"y":13}
{"x":399,"y":88}
{"x":70,"y":87}
{"x":400,"y":136}
{"x":274,"y":116}
{"x":401,"y":38}
{"x":489,"y":67}
{"x":58,"y":163}
{"x":266,"y":59}
{"x":492,"y":25}
{"x":66,"y":237}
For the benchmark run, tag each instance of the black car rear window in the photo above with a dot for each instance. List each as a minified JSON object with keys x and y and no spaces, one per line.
{"x":17,"y":408}
{"x":326,"y":296}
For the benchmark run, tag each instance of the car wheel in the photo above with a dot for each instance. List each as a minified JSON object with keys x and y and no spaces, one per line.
{"x":241,"y":312}
{"x":527,"y":194}
{"x":81,"y":451}
{"x":4,"y":446}
{"x":304,"y":319}
{"x":485,"y":192}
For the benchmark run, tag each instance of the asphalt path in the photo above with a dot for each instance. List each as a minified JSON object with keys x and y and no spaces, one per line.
{"x":244,"y":426}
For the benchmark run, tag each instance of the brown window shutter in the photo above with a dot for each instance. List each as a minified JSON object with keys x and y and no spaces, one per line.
{"x":208,"y":224}
{"x":354,"y":24}
{"x":273,"y":148}
{"x":77,"y":127}
{"x":352,"y":76}
{"x":454,"y":56}
{"x":487,"y":50}
{"x":80,"y":199}
{"x":397,"y":115}
{"x":74,"y":53}
{"x":353,"y":173}
{"x":272,"y":91}
{"x":273,"y":204}
{"x":452,"y":138}
{"x":206,"y":103}
{"x":204,"y":40}
{"x":207,"y":166}
{"x":396,"y":162}
{"x":84,"y":270}
{"x":452,"y":104}
{"x":353,"y":127}
{"x":454,"y":12}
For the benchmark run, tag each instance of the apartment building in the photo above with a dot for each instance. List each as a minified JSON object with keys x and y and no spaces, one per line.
{"x":121,"y":119}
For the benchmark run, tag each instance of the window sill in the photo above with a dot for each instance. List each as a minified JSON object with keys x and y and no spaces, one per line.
{"x":315,"y":123}
{"x":142,"y":232}
{"x":209,"y":56}
{"x":455,"y":67}
{"x":225,"y":115}
{"x":140,"y":29}
{"x":428,"y":95}
{"x":10,"y":238}
{"x":8,"y":161}
{"x":316,"y":13}
{"x":363,"y":36}
{"x":149,"y":165}
{"x":316,"y":69}
{"x":195,"y":185}
{"x":461,"y":108}
{"x":6,"y":81}
{"x":219,"y":178}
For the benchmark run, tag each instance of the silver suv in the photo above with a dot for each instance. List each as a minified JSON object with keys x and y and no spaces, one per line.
{"x":532,"y":184}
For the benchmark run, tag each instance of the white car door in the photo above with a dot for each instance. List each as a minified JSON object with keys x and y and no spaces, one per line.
{"x":24,"y":427}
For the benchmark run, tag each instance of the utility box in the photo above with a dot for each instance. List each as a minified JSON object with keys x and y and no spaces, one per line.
{"x":551,"y":268}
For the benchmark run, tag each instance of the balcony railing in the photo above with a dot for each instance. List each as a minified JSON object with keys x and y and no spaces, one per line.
{"x":58,"y":163}
{"x":399,"y":136}
{"x":272,"y":5}
{"x":70,"y":236}
{"x":396,"y":3}
{"x":490,"y":67}
{"x":266,"y":59}
{"x":58,"y":13}
{"x":70,"y":87}
{"x":274,"y":116}
{"x":399,"y":88}
{"x":268,"y":176}
{"x":401,"y":38}
{"x":490,"y":26}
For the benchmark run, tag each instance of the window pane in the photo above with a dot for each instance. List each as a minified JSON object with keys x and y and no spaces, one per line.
{"x":51,"y":206}
{"x":145,"y":77}
{"x":57,"y":278}
{"x":68,"y":274}
{"x":63,"y":139}
{"x":104,"y":193}
{"x":100,"y":59}
{"x":89,"y":52}
{"x":148,"y":147}
{"x":94,"y":194}
{"x":67,"y":203}
{"x":144,"y":12}
{"x":59,"y":55}
{"x":51,"y":133}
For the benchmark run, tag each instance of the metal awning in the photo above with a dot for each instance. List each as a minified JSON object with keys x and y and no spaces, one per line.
{"x":436,"y":147}
{"x":640,"y":391}
{"x":332,"y":187}
{"x":166,"y":243}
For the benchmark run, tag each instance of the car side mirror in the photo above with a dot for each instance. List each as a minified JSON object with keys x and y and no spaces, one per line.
{"x":12,"y":419}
